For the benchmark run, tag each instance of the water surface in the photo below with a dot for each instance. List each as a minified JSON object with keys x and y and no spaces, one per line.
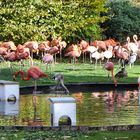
{"x":92,"y":109}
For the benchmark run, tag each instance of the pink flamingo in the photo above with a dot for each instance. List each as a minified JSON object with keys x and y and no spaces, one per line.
{"x":34,"y":73}
{"x":109,"y":66}
{"x":74,"y":53}
{"x":48,"y":59}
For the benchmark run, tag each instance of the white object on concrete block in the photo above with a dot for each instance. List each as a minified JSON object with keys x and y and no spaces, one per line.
{"x":9,"y":89}
{"x":9,"y":108}
{"x":63,"y":106}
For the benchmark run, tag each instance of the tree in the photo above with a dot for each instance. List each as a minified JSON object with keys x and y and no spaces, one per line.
{"x":39,"y":20}
{"x":124,"y":20}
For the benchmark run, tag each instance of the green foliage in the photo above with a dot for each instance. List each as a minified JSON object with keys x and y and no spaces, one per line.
{"x":124,"y":20}
{"x":41,"y":19}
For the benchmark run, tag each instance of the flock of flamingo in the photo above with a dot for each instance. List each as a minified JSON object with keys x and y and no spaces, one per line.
{"x":98,"y":50}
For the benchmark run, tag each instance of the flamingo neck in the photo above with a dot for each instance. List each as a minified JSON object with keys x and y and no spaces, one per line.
{"x":113,"y":78}
{"x":135,"y":38}
{"x":22,"y":75}
{"x":45,"y":75}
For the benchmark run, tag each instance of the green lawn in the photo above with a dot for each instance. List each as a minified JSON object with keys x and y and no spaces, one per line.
{"x":70,"y":135}
{"x":73,"y":73}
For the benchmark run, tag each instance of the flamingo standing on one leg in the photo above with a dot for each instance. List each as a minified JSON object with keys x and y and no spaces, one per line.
{"x":109,"y":66}
{"x":34,"y":73}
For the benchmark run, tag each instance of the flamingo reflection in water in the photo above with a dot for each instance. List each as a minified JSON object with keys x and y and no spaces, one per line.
{"x":78,"y":96}
{"x":116,"y":100}
{"x":36,"y":120}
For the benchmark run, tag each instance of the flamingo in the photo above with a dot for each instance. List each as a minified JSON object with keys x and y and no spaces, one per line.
{"x":48,"y":59}
{"x":23,"y":54}
{"x":53,"y":51}
{"x":11,"y":57}
{"x":9,"y":45}
{"x":132,"y":58}
{"x":44,"y":47}
{"x":34,"y":73}
{"x":97,"y":56}
{"x":33,"y":47}
{"x":122,"y":54}
{"x":109,"y":66}
{"x":100,"y":44}
{"x":62,"y":45}
{"x":132,"y":46}
{"x":84,"y":44}
{"x":108,"y":53}
{"x":74,"y":53}
{"x":91,"y":49}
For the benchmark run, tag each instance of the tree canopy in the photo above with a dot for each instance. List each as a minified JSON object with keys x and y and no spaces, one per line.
{"x":39,"y":20}
{"x":124,"y":20}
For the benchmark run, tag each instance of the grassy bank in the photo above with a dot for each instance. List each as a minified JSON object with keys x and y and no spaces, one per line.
{"x":74,"y":135}
{"x":73,"y":73}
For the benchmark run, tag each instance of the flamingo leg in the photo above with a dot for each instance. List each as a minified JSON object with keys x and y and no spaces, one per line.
{"x":35,"y":88}
{"x":35,"y":110}
{"x":90,"y":58}
{"x":55,"y":58}
{"x":60,"y":55}
{"x":96,"y":63}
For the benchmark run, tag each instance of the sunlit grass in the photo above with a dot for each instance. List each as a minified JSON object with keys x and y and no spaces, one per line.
{"x":74,"y":135}
{"x":73,"y":73}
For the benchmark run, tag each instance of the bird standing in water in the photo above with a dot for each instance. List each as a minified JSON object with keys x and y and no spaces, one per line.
{"x":109,"y":66}
{"x":34,"y":73}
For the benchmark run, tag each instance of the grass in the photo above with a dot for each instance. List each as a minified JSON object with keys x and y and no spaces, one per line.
{"x":70,"y":135}
{"x":73,"y":73}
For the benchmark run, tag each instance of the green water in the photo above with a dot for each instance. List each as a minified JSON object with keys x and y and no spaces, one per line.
{"x":92,"y":109}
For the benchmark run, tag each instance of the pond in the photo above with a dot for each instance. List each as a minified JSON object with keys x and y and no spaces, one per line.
{"x":113,"y":107}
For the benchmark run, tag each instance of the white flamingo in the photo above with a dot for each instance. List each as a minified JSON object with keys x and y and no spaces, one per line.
{"x":97,"y":56}
{"x":91,"y":50}
{"x":108,"y":53}
{"x":132,"y":46}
